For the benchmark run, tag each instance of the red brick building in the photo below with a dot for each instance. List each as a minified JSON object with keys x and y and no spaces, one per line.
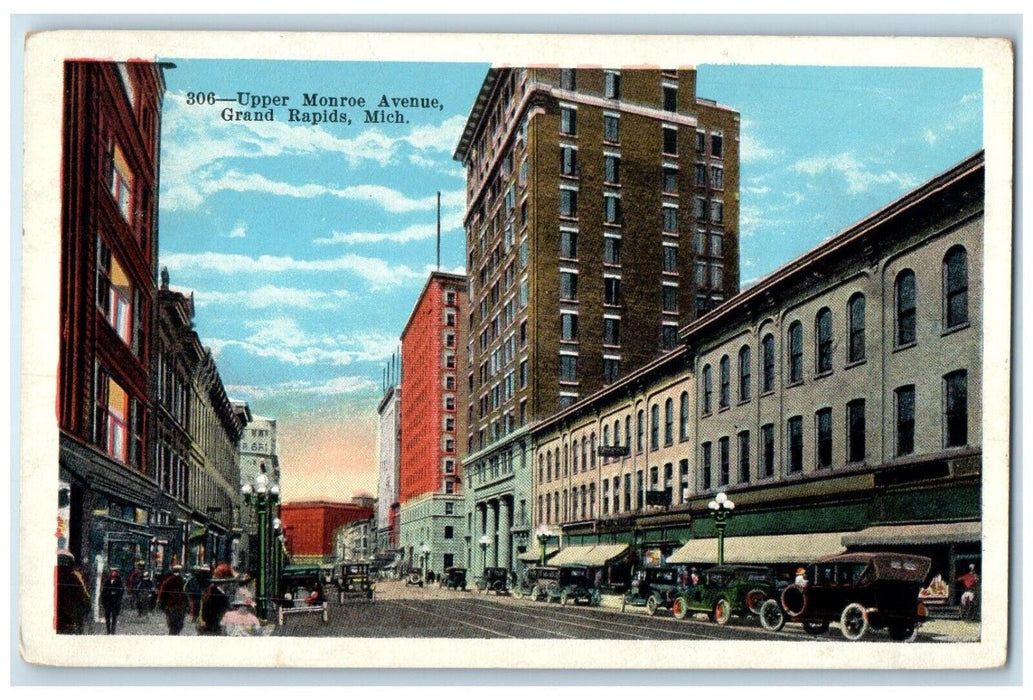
{"x":310,"y":527}
{"x":430,"y":421}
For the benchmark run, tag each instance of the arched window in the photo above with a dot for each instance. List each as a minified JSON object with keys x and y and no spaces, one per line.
{"x":573,"y":457}
{"x":593,"y":451}
{"x":955,"y":287}
{"x":606,"y":441}
{"x":683,"y":416}
{"x":767,"y":382}
{"x":584,"y":455}
{"x":823,"y":341}
{"x":617,"y":432}
{"x":905,"y":294}
{"x":726,"y":379}
{"x":708,"y":390}
{"x":654,"y":427}
{"x":556,"y":456}
{"x":541,"y":472}
{"x":627,"y":432}
{"x":640,"y":430}
{"x":669,"y":422}
{"x":795,"y":352}
{"x":744,"y":373}
{"x":855,"y":327}
{"x":548,"y":466}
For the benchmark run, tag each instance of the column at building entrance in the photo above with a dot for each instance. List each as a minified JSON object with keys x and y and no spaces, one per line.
{"x":505,"y":523}
{"x":493,"y":533}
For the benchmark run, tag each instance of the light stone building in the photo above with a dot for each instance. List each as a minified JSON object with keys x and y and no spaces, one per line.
{"x":432,"y":533}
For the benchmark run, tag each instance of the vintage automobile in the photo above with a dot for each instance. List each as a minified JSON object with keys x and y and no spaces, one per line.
{"x":301,"y":592}
{"x":495,"y":579}
{"x":454,"y":578}
{"x":573,"y":585}
{"x":657,"y":589}
{"x":860,"y":591}
{"x":724,"y":591}
{"x":538,"y":580}
{"x":354,"y":582}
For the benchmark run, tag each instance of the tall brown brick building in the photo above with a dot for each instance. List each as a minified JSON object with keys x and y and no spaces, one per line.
{"x":602,"y":215}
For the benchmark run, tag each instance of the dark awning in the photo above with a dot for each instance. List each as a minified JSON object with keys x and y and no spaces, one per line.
{"x":761,"y":549}
{"x":536,"y":555}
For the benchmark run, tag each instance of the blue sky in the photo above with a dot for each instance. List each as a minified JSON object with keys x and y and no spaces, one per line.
{"x":306,"y":246}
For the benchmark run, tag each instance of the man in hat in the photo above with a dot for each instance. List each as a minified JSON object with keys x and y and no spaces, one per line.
{"x":132,"y":584}
{"x":111,"y":599}
{"x":801,"y":577}
{"x":240,"y":620}
{"x":172,"y":598}
{"x":214,"y":605}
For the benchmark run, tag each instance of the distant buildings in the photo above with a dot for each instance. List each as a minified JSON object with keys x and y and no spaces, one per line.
{"x":310,"y":527}
{"x":389,"y":442}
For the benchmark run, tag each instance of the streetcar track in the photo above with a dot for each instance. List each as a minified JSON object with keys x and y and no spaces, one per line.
{"x":561,"y":622}
{"x":452,"y":619}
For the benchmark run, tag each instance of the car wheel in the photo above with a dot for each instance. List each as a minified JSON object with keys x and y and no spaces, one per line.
{"x":652,"y":605}
{"x":680,"y":608}
{"x":722,"y":612}
{"x":535,"y":593}
{"x":771,"y":616}
{"x":754,"y":599}
{"x":564,"y":598}
{"x":518,"y":593}
{"x":498,"y":587}
{"x":903,"y":633}
{"x":854,"y":621}
{"x":816,"y":627}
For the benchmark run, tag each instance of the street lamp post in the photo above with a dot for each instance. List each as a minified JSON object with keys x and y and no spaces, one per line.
{"x":264,"y":496}
{"x":484,"y":542}
{"x":425,"y":550}
{"x":720,"y":510}
{"x":543,"y":534}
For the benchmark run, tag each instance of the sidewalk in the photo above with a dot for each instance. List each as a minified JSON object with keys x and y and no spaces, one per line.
{"x":153,"y":624}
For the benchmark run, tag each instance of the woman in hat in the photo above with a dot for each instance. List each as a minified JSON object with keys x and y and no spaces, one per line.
{"x":240,"y":620}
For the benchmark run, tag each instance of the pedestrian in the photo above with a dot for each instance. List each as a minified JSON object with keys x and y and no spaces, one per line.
{"x":801,"y":577}
{"x":173,"y":599}
{"x":73,"y":597}
{"x":970,"y":582}
{"x":145,"y":595}
{"x":214,"y":605}
{"x":133,"y":582}
{"x":694,"y":576}
{"x":244,"y":590}
{"x":195,"y":586}
{"x":240,"y":620}
{"x":111,"y":599}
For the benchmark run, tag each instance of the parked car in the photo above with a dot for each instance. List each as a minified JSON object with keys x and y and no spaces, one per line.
{"x":454,"y":578}
{"x":573,"y":585}
{"x":656,"y":589}
{"x":724,"y":591}
{"x":494,"y":578}
{"x":860,"y":591}
{"x":354,"y":582}
{"x":540,"y":579}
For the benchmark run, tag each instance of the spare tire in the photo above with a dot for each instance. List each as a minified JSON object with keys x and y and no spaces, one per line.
{"x":794,"y":600}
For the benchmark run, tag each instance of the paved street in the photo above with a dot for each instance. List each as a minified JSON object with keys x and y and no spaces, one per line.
{"x":408,"y":611}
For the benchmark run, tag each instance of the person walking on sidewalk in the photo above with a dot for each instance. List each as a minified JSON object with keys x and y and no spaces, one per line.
{"x":195,"y":586}
{"x":73,"y":598}
{"x":172,"y":598}
{"x":213,"y":606}
{"x":111,"y":599}
{"x":133,"y":581}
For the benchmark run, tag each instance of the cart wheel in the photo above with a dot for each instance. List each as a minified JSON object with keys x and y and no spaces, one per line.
{"x":854,"y":621}
{"x":680,"y":607}
{"x":771,"y":616}
{"x":652,"y":605}
{"x":722,"y":612}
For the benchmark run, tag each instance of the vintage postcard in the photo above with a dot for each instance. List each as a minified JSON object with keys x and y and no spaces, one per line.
{"x":359,"y":350}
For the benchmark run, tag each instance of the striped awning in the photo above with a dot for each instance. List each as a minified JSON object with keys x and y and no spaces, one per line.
{"x":761,"y":549}
{"x":589,"y":555}
{"x":926,"y":533}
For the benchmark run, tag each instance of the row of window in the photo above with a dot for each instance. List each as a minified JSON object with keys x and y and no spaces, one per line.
{"x":702,"y":209}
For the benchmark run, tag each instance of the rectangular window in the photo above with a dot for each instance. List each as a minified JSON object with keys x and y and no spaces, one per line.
{"x":670,"y":298}
{"x":568,"y":120}
{"x":627,"y":492}
{"x":639,"y":489}
{"x":115,"y":294}
{"x":795,"y":439}
{"x":568,"y":244}
{"x":611,"y":367}
{"x":670,"y":180}
{"x":523,"y":374}
{"x":699,"y":208}
{"x":717,"y":212}
{"x":670,"y":98}
{"x":612,"y":209}
{"x":612,"y":85}
{"x":612,"y":251}
{"x":568,"y":203}
{"x":568,"y":285}
{"x":568,"y":326}
{"x":722,"y":460}
{"x":611,"y":291}
{"x":669,"y":337}
{"x":823,"y":438}
{"x":670,"y":258}
{"x":767,"y":450}
{"x":955,"y":400}
{"x":705,"y":474}
{"x":717,"y":145}
{"x":717,"y":178}
{"x":905,"y":409}
{"x":670,"y":219}
{"x":855,"y":431}
{"x":611,"y":331}
{"x":611,"y":128}
{"x":700,"y":175}
{"x":744,"y":457}
{"x":716,"y":247}
{"x":121,"y":183}
{"x":670,"y":141}
{"x":612,"y":168}
{"x":683,"y":480}
{"x":568,"y":368}
{"x":568,"y":79}
{"x":568,"y":160}
{"x":606,"y":496}
{"x":449,"y":530}
{"x":701,"y":142}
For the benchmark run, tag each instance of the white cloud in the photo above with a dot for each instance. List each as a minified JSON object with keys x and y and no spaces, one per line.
{"x":284,"y":340}
{"x":930,"y":137}
{"x":416,"y":232}
{"x":239,"y":230}
{"x":337,"y":386}
{"x":765,"y":189}
{"x":857,"y":177}
{"x":795,"y":198}
{"x":379,"y":273}
{"x":196,"y":140}
{"x":751,"y":149}
{"x":273,"y":296}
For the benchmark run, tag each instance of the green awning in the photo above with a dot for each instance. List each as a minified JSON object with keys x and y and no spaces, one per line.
{"x":197,"y":533}
{"x":536,"y":555}
{"x":761,"y":549}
